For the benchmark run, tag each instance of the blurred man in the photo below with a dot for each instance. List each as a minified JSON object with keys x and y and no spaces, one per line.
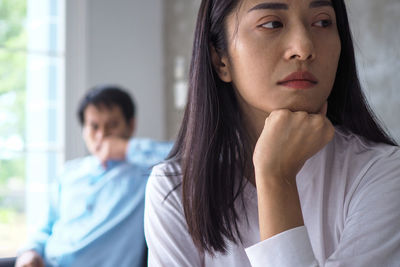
{"x":95,"y":215}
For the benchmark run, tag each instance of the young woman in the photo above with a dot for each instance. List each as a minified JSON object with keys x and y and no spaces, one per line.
{"x":279,"y":160}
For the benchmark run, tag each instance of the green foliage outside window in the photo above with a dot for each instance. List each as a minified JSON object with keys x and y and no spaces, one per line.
{"x":13,"y":45}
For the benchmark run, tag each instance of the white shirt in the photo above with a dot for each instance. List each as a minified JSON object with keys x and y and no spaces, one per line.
{"x":350,"y":199}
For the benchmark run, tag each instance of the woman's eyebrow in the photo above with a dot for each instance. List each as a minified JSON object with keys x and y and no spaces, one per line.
{"x":313,"y":4}
{"x":320,"y":3}
{"x":269,"y":6}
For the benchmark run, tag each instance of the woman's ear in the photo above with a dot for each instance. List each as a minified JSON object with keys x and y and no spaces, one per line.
{"x":221,"y":65}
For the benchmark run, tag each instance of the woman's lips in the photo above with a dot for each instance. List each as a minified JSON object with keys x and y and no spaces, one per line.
{"x":299,"y":80}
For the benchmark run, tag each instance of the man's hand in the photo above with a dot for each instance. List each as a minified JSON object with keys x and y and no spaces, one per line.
{"x":112,"y":148}
{"x":286,"y":142}
{"x":29,"y":258}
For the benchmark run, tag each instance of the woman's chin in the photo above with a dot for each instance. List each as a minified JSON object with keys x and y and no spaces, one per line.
{"x":311,"y":109}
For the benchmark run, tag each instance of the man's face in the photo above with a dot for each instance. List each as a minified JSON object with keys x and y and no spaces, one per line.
{"x":101,"y":122}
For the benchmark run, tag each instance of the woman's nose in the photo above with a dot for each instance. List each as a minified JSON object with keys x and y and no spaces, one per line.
{"x":300,"y":45}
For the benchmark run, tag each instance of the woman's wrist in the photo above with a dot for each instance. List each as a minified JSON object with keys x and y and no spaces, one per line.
{"x":277,"y":180}
{"x":278,"y":205}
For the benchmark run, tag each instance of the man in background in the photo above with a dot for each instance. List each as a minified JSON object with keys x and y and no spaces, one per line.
{"x":95,"y":214}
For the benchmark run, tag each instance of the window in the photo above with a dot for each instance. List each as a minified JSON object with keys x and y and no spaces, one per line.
{"x":31,"y":112}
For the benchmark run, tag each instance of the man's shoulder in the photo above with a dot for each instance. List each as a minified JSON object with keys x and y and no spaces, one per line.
{"x":81,"y":161}
{"x":76,"y":166}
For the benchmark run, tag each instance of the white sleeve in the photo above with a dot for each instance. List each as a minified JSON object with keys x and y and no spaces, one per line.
{"x":289,"y":248}
{"x":371,"y":233}
{"x":166,"y":230}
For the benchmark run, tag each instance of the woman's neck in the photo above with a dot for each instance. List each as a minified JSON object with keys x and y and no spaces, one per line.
{"x":253,"y":120}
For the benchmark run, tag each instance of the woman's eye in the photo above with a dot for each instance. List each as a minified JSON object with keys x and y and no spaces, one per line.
{"x":323,"y":23}
{"x":272,"y":25}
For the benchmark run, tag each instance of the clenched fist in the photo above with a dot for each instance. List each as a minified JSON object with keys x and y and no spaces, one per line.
{"x":288,"y":140}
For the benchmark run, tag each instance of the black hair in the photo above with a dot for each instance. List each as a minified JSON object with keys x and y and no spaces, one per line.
{"x":108,"y":96}
{"x":212,"y":146}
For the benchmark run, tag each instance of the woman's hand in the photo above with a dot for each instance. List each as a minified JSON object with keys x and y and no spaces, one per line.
{"x":286,"y":142}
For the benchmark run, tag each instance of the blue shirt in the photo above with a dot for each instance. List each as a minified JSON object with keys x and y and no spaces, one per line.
{"x":95,"y":215}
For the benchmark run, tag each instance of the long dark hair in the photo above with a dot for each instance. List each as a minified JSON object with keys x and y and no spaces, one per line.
{"x":213,"y":148}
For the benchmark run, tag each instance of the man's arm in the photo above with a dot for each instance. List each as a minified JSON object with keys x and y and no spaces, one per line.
{"x":134,"y":150}
{"x":32,"y":254}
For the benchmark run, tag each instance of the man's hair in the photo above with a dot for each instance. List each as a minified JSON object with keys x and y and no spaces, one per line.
{"x":108,"y":96}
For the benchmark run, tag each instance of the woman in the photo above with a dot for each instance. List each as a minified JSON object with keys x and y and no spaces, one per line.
{"x":279,"y":160}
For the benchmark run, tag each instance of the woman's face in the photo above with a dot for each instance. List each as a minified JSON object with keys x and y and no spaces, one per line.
{"x":268,"y":40}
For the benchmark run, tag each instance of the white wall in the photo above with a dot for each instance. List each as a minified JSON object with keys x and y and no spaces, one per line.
{"x":118,"y":42}
{"x":75,"y":74}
